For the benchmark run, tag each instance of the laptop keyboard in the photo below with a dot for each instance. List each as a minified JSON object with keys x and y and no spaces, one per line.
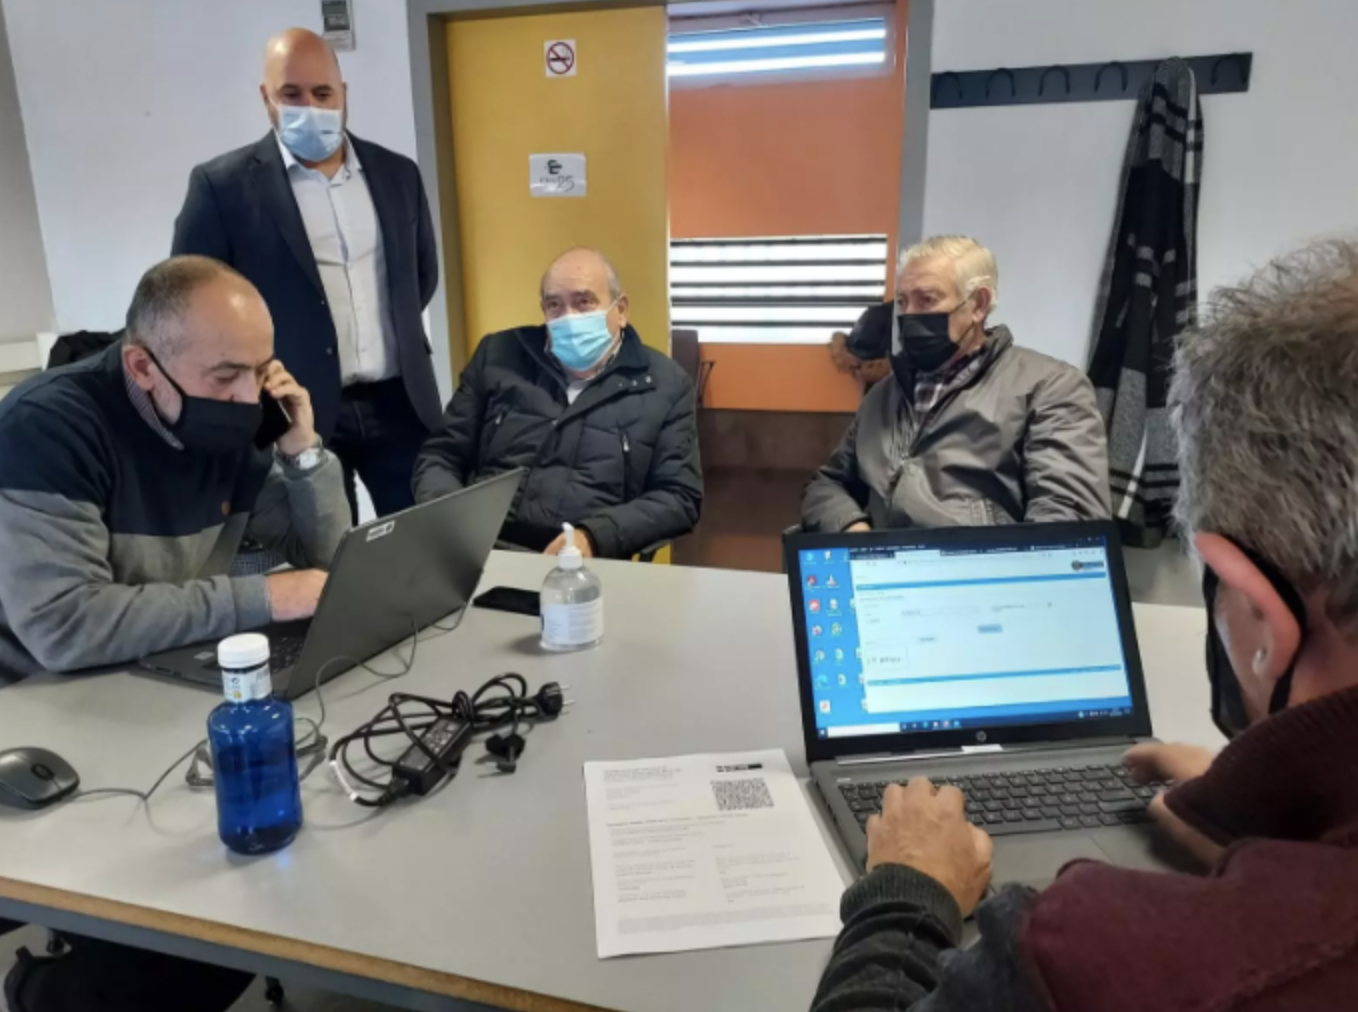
{"x":284,"y":651}
{"x":1032,"y":801}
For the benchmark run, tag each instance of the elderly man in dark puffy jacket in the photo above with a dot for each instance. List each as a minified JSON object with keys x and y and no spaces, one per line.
{"x":973,"y":430}
{"x":606,"y":426}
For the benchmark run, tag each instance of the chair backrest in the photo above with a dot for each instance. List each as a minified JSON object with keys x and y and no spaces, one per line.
{"x":82,"y":344}
{"x":684,"y":350}
{"x":687,"y":353}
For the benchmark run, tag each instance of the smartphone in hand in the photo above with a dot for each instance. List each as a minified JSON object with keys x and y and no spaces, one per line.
{"x":276,"y":422}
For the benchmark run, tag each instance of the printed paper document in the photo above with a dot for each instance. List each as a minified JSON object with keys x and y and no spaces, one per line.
{"x":706,"y":851}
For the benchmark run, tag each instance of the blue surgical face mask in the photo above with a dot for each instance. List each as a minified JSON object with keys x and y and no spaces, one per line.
{"x":309,"y":132}
{"x":581,"y":340}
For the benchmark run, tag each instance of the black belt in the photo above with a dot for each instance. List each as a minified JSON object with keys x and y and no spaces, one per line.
{"x":372,"y":391}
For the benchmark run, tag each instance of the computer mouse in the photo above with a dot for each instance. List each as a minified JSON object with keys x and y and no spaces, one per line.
{"x":35,"y":777}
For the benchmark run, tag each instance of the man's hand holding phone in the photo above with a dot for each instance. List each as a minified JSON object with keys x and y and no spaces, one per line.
{"x":293,"y":398}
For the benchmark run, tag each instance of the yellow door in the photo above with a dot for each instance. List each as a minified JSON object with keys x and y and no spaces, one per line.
{"x":612,"y":110}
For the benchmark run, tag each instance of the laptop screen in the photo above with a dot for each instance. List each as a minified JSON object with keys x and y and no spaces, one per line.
{"x":915,"y":639}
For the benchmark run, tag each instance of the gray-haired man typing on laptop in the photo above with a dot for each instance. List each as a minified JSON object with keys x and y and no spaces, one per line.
{"x":129,"y":480}
{"x":1268,"y":449}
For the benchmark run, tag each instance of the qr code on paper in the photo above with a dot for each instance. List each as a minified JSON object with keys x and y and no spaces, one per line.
{"x":742,"y":795}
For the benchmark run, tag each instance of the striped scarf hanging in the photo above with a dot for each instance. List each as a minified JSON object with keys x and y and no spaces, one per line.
{"x":1147,"y":298}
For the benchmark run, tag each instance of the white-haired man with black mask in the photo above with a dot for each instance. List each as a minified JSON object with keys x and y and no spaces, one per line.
{"x":974,"y":430}
{"x":1263,"y":409}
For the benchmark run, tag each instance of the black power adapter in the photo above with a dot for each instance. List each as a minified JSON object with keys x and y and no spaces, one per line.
{"x":438,"y":732}
{"x":432,"y":758}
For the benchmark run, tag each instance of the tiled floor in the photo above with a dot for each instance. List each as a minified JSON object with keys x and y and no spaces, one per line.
{"x":744,"y":516}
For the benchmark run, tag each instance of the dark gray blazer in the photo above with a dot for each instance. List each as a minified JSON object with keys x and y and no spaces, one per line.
{"x":240,"y":210}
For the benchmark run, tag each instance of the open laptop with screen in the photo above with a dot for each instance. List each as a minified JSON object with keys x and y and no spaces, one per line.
{"x":389,"y":578}
{"x":1002,"y":660}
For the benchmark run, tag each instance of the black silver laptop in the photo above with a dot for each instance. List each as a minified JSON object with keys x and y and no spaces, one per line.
{"x":389,"y":578}
{"x":1001,"y":660}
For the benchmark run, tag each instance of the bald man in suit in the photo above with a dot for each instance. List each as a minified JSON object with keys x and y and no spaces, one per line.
{"x":335,"y":233}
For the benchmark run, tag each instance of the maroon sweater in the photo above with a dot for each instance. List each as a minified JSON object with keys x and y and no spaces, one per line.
{"x":1273,"y":927}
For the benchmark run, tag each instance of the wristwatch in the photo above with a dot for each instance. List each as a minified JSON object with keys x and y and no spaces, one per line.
{"x":308,"y":460}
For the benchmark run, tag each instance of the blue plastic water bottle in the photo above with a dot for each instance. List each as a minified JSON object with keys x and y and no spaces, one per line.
{"x":254,"y":755}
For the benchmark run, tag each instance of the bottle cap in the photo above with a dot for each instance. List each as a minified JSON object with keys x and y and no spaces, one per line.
{"x":248,"y":650}
{"x":570,"y":557}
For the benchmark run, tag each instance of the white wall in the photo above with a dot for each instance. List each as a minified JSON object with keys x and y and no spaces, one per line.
{"x":121,"y":98}
{"x":1038,"y":183}
{"x":25,"y":295}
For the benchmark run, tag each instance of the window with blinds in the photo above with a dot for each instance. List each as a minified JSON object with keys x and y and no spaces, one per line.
{"x":775,"y":291}
{"x":755,"y":49}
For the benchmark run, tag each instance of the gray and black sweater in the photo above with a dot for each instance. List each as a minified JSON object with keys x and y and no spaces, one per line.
{"x":900,"y":950}
{"x":114,"y":544}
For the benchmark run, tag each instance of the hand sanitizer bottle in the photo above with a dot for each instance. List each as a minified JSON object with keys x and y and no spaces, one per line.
{"x":254,"y":754}
{"x":572,"y":602}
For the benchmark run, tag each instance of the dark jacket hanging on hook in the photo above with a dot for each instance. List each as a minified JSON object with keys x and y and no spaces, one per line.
{"x":1147,"y":297}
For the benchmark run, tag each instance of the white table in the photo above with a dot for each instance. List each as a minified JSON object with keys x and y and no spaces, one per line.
{"x":482,"y":892}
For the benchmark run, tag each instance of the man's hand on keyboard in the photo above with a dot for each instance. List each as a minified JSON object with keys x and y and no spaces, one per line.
{"x":929,"y":831}
{"x":1157,"y":761}
{"x":294,"y":595}
{"x":1174,"y":764}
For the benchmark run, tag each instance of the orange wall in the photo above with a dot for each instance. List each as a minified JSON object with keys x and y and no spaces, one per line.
{"x":818,"y":158}
{"x":804,"y":158}
{"x":786,"y":377}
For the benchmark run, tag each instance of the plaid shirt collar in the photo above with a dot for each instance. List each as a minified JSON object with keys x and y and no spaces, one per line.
{"x":932,"y":387}
{"x":141,"y":400}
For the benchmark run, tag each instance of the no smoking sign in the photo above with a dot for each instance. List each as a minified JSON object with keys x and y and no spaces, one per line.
{"x":559,"y":56}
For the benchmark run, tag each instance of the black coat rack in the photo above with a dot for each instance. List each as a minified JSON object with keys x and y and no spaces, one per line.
{"x":1083,"y":82}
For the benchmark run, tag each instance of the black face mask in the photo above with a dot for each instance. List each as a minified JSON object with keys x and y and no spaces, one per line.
{"x":206,"y":425}
{"x":924,"y":342}
{"x":1228,"y":705}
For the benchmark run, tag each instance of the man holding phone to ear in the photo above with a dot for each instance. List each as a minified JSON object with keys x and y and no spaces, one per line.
{"x":336,"y":234}
{"x":128,"y":481}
